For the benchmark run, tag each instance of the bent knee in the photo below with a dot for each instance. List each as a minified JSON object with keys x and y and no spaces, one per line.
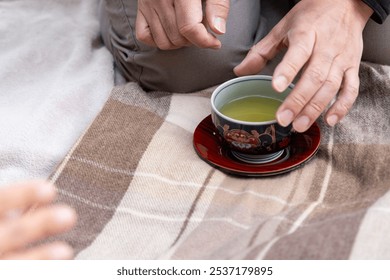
{"x":182,"y":70}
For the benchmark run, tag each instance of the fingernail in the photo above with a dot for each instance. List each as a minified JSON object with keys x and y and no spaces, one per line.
{"x":45,"y":190}
{"x":332,"y":120}
{"x":220,"y":24}
{"x":280,"y":83}
{"x":61,"y":252}
{"x":65,"y":215}
{"x":218,"y":46}
{"x":285,"y":117}
{"x":302,"y":124}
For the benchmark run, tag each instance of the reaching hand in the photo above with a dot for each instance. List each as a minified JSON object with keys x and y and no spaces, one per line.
{"x":21,"y":226}
{"x":172,"y":24}
{"x":324,"y":40}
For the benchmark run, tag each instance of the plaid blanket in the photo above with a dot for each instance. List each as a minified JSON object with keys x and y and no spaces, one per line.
{"x":142,"y":192}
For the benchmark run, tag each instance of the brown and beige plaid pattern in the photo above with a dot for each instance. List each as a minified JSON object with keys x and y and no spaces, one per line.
{"x":142,"y":192}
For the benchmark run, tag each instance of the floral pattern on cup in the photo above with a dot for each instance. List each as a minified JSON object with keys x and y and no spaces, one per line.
{"x":253,"y":141}
{"x":246,"y":137}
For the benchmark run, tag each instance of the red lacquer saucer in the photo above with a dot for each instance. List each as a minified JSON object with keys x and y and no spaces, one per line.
{"x":208,"y":145}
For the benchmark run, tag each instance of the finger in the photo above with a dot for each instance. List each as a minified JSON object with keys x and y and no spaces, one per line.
{"x":53,"y":251}
{"x":24,"y":195}
{"x":167,"y":18}
{"x":310,"y":82}
{"x":347,"y":97}
{"x":300,"y":49}
{"x":154,"y":33}
{"x":158,"y":33}
{"x":260,"y":54}
{"x":320,"y":101}
{"x":40,"y":224}
{"x":189,"y":17}
{"x":142,"y":30}
{"x":216,"y":14}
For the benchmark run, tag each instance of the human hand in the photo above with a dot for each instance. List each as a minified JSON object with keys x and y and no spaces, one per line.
{"x":324,"y":40}
{"x":172,"y":24}
{"x":20,"y":225}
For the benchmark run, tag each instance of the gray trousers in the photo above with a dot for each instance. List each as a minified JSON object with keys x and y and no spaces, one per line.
{"x":190,"y":69}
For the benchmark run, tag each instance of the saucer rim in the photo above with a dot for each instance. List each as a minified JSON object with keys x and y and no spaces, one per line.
{"x":259,"y":173}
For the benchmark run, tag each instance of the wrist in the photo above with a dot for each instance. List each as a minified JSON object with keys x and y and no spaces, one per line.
{"x":362,"y":10}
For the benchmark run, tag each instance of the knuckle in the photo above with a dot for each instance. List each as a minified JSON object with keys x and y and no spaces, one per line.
{"x":304,"y":49}
{"x":343,"y":108}
{"x":326,"y":57}
{"x":351,"y":93}
{"x":297,"y":32}
{"x":333,"y":83}
{"x":192,"y":32}
{"x":298,"y":100}
{"x":301,"y":40}
{"x":222,"y":5}
{"x":316,"y":106}
{"x":292,"y":67}
{"x":162,"y":43}
{"x":142,"y":36}
{"x":257,"y":51}
{"x":316,"y":75}
{"x":345,"y":103}
{"x":165,"y":46}
{"x":178,"y":41}
{"x":187,"y":29}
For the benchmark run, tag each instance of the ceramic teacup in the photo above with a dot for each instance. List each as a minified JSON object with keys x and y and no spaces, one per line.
{"x":250,"y":141}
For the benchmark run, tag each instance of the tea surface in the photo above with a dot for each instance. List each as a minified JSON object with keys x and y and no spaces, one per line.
{"x":251,"y":109}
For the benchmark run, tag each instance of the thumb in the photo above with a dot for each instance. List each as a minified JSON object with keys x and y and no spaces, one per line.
{"x":260,"y":54}
{"x":216,"y":15}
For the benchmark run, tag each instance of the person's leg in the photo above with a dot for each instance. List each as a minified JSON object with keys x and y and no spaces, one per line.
{"x":185,"y":69}
{"x":376,"y":38}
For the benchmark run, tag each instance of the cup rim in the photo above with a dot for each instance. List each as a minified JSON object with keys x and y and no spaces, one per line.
{"x":233,"y":81}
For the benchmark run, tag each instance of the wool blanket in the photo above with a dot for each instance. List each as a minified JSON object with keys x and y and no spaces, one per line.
{"x":124,"y":158}
{"x":142,"y":192}
{"x":55,"y":77}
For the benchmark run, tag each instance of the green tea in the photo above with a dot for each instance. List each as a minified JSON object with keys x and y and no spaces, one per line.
{"x":251,"y":109}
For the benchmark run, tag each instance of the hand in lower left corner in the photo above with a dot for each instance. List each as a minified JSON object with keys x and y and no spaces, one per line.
{"x":27,"y":216}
